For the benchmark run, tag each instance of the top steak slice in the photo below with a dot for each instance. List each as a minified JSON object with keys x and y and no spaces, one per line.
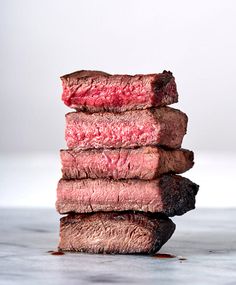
{"x":97,"y":91}
{"x":143,"y":163}
{"x":164,"y":126}
{"x":111,"y":232}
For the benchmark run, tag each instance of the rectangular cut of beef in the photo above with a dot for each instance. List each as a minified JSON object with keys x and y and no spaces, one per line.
{"x":170,"y":195}
{"x":114,"y":232}
{"x":163,"y":126}
{"x":143,"y":163}
{"x":97,"y":91}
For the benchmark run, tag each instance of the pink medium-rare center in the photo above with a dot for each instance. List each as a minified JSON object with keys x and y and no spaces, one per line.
{"x":98,"y":91}
{"x":164,"y":126}
{"x":111,"y":95}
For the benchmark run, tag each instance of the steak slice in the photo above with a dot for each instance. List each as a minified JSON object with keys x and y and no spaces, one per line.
{"x":170,"y":195}
{"x":97,"y":91}
{"x":112,"y":232}
{"x":143,"y":163}
{"x":164,"y":126}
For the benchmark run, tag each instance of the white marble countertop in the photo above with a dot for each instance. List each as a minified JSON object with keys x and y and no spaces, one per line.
{"x":206,"y":238}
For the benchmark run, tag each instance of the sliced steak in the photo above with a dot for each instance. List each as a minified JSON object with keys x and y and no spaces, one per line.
{"x":97,"y":91}
{"x":114,"y":232}
{"x":143,"y":163}
{"x":164,"y":126}
{"x":170,"y":195}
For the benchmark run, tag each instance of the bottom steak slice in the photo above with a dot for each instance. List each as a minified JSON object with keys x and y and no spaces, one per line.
{"x":169,"y":194}
{"x":114,"y":232}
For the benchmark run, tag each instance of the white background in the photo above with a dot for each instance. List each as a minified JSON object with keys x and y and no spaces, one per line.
{"x":41,"y":40}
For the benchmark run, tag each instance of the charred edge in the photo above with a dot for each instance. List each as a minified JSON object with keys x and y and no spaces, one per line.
{"x":183,"y":199}
{"x":162,"y":80}
{"x":189,"y":154}
{"x":166,"y":233}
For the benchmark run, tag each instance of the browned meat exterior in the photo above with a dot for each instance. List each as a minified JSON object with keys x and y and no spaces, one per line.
{"x":97,"y":91}
{"x":113,"y":232}
{"x":163,"y":126}
{"x":143,"y":163}
{"x":170,"y":195}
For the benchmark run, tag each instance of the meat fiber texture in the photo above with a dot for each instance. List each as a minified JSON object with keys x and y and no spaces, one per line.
{"x":170,"y":195}
{"x":143,"y":163}
{"x":113,"y":232}
{"x":163,"y":126}
{"x":97,"y":91}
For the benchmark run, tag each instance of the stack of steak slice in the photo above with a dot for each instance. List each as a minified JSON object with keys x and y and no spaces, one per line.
{"x":119,"y":174}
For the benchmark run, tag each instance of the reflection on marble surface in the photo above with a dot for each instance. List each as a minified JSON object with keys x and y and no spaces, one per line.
{"x":206,"y":238}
